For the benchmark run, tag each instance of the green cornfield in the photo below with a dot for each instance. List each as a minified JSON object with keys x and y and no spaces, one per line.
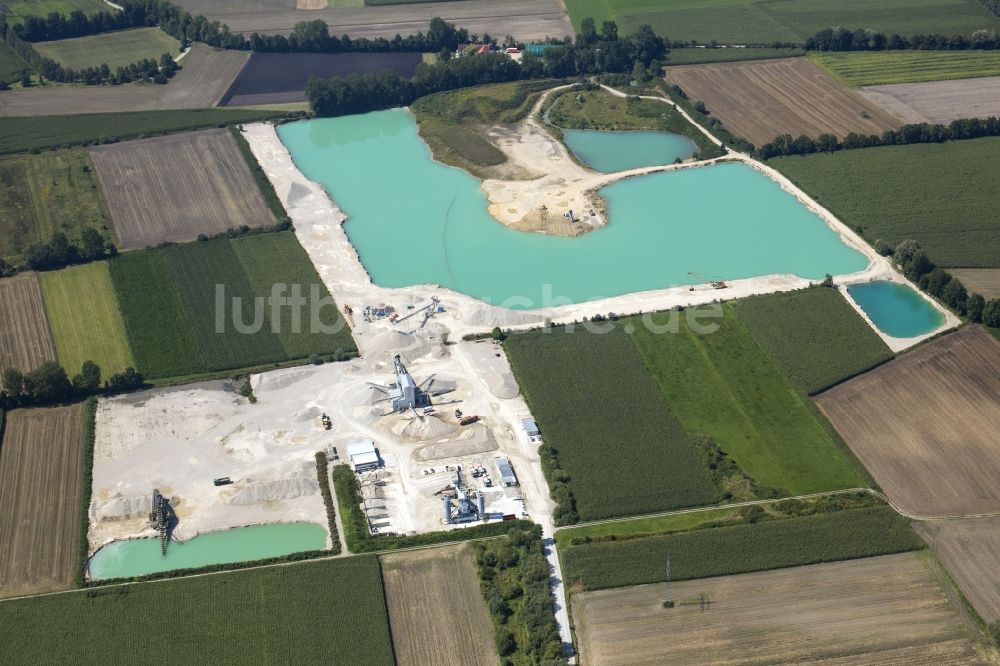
{"x":866,"y":68}
{"x":329,"y":612}
{"x":721,"y":551}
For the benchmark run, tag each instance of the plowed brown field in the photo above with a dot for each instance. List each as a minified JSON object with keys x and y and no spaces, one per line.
{"x":880,"y":610}
{"x":925,"y":425}
{"x":760,"y":100}
{"x":174,"y":188}
{"x":40,"y":479}
{"x":25,"y":340}
{"x":970,"y":550}
{"x":436,"y":609}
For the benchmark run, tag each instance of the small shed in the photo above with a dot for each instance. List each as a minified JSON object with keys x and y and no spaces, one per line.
{"x":506,"y":472}
{"x":363,"y":456}
{"x":530,"y":427}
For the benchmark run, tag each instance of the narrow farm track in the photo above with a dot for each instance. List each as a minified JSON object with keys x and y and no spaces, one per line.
{"x":25,"y":340}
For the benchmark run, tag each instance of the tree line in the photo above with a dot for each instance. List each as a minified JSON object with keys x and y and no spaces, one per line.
{"x":965,"y":128}
{"x":59,"y":251}
{"x":594,"y":53}
{"x":49,"y":383}
{"x":941,"y":284}
{"x":992,"y":6}
{"x":843,"y":39}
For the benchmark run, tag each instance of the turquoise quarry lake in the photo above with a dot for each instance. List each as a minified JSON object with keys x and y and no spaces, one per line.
{"x":609,"y":152}
{"x":137,"y":557}
{"x":414,"y":221}
{"x":896,"y":309}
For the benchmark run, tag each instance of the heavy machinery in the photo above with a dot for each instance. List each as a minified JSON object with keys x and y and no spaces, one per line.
{"x":716,"y":282}
{"x":405,"y":394}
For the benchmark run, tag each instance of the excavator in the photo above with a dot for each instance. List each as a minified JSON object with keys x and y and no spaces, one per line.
{"x":716,"y":282}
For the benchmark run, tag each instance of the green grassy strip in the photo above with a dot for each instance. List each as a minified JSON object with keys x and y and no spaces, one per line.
{"x":723,"y":385}
{"x":760,"y":546}
{"x":263,"y":182}
{"x":863,"y":68}
{"x":272,"y":615}
{"x":700,"y":56}
{"x":158,"y":328}
{"x":360,"y":540}
{"x":86,"y":484}
{"x":33,"y":133}
{"x":814,"y":336}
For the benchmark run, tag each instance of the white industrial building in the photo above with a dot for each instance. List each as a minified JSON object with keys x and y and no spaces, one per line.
{"x":531,"y":428}
{"x":506,"y":472}
{"x":363,"y":456}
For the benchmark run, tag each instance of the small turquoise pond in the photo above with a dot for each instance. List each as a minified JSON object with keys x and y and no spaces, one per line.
{"x":896,"y":309}
{"x":414,"y":221}
{"x":608,"y":152}
{"x":137,"y":557}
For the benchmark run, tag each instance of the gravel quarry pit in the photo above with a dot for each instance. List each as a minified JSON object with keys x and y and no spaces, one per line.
{"x":179,"y":439}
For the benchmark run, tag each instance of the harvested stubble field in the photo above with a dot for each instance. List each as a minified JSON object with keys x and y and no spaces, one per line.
{"x":527,"y":19}
{"x":924,"y":425}
{"x":890,"y":609}
{"x":940,"y":195}
{"x":970,"y":550}
{"x":276,"y":78}
{"x":40,"y":473}
{"x":176,"y":187}
{"x":205,"y":75}
{"x":436,"y":609}
{"x":83,"y":314}
{"x":114,"y":49}
{"x":866,"y":68}
{"x":44,"y":194}
{"x":939,"y":101}
{"x":763,"y":99}
{"x":329,"y":612}
{"x":814,"y":336}
{"x":985,"y":281}
{"x":25,"y":340}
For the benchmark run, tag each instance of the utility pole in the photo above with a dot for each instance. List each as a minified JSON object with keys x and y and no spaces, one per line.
{"x":669,"y":601}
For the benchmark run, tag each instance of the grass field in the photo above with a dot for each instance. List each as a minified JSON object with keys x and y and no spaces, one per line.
{"x":924,"y":425}
{"x":40,"y":471}
{"x":697,"y":56}
{"x":862,"y":68}
{"x":83,"y":313}
{"x":723,"y":385}
{"x":601,"y":110}
{"x":644,"y":526}
{"x":623,"y":451}
{"x":174,"y":188}
{"x":168,"y":302}
{"x":25,"y":340}
{"x":765,"y":21}
{"x":11,"y":64}
{"x":114,"y":49}
{"x":44,"y":194}
{"x":762,"y":99}
{"x":720,"y":551}
{"x":891,"y":609}
{"x":436,"y":610}
{"x":814,"y":336}
{"x":21,"y":134}
{"x":19,"y":9}
{"x":319,"y":612}
{"x":890,"y":193}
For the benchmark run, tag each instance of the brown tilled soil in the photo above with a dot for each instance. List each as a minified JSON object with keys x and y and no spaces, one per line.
{"x":174,"y":188}
{"x":760,"y":100}
{"x":881,"y":610}
{"x":40,"y":508}
{"x":205,"y":76}
{"x":985,"y":281}
{"x":970,"y":550}
{"x":436,"y":609}
{"x":25,"y":340}
{"x":526,"y":19}
{"x":939,"y":101}
{"x":925,"y":425}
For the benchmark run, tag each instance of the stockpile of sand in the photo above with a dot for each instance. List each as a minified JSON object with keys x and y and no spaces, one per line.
{"x":249,"y":491}
{"x":121,"y":508}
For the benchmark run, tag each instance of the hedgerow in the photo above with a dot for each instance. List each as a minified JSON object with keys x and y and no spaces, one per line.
{"x":323,"y":474}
